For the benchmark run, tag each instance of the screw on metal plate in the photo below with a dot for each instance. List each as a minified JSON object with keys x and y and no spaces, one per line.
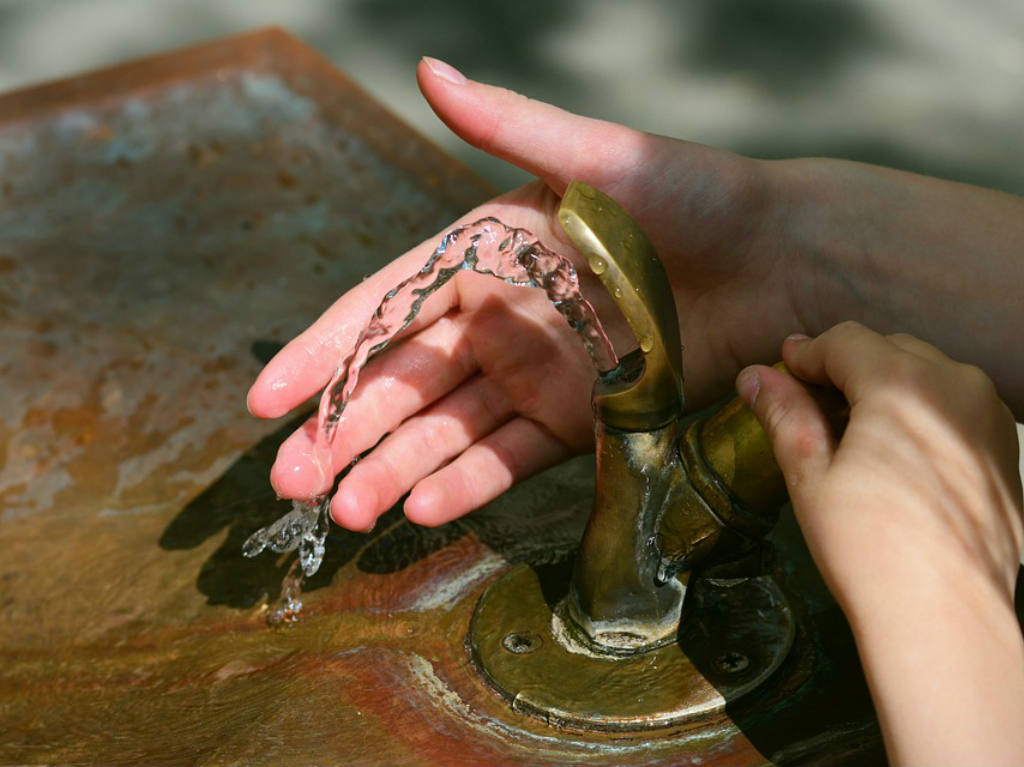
{"x":520,"y":644}
{"x":732,"y":662}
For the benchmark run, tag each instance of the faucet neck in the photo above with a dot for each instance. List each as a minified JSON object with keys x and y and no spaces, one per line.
{"x":616,"y":598}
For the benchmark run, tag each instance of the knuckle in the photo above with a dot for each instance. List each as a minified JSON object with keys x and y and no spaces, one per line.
{"x":976,"y":381}
{"x":506,"y":456}
{"x":531,"y":401}
{"x":492,"y":401}
{"x":805,"y":441}
{"x":846,"y":328}
{"x":907,"y":371}
{"x":903,"y":338}
{"x":433,"y":437}
{"x":389,"y":474}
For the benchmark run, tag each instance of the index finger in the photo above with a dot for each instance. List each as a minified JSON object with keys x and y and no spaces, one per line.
{"x":307,"y":363}
{"x":846,"y":356}
{"x":309,"y":360}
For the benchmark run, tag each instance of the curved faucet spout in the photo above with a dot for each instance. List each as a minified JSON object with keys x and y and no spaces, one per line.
{"x":647,"y":392}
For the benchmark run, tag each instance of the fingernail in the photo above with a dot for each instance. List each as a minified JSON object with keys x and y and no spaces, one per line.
{"x":444,"y":71}
{"x":748,"y":384}
{"x":797,"y":338}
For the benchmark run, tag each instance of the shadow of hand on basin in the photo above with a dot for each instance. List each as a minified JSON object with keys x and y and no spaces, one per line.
{"x":242,"y":500}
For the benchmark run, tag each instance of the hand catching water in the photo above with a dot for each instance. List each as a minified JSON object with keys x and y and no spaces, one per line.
{"x":489,"y":385}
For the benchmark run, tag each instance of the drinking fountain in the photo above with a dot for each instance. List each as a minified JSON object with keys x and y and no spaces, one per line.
{"x":672,"y":609}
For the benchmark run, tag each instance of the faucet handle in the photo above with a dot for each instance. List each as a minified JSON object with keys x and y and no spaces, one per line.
{"x":646,"y":391}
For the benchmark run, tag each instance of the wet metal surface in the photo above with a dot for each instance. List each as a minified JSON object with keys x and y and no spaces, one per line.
{"x":732,"y":639}
{"x":164,"y":226}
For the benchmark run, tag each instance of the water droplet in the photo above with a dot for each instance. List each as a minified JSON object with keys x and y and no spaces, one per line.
{"x":598,"y":265}
{"x":617,"y":292}
{"x":646,"y":342}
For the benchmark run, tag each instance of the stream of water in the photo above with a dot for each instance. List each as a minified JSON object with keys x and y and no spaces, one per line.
{"x":486,"y":247}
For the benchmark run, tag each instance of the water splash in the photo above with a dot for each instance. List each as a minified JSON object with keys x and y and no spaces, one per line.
{"x":289,"y":608}
{"x":304,"y":528}
{"x":490,"y":248}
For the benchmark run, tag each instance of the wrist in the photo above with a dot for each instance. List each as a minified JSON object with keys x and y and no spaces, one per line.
{"x":902,"y":252}
{"x":823,"y":217}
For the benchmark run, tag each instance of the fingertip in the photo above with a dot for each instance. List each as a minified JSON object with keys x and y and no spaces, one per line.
{"x":267,"y":397}
{"x":355,"y":508}
{"x":801,"y":355}
{"x":800,"y":435}
{"x":299,"y":470}
{"x":794,"y":342}
{"x":252,"y":402}
{"x":441,"y":70}
{"x":748,"y":384}
{"x":296,"y":479}
{"x":529,"y":133}
{"x":257,"y":405}
{"x":472,"y":110}
{"x":425,"y":505}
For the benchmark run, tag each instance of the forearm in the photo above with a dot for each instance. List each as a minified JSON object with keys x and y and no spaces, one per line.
{"x":961,"y":637}
{"x":914,"y":519}
{"x":901,"y":252}
{"x":934,"y":623}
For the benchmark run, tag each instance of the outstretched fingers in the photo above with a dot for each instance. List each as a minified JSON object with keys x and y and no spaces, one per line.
{"x":309,"y":360}
{"x":516,"y":451}
{"x":306,"y":364}
{"x":416,"y":449}
{"x":392,"y":387}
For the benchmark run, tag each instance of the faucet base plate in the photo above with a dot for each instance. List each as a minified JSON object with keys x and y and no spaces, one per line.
{"x":733,"y":636}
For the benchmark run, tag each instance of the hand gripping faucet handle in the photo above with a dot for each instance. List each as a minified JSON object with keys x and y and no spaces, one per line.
{"x":647,"y":391}
{"x":728,"y":460}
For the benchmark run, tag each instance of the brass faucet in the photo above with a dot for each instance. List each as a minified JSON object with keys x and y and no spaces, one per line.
{"x":682,"y":502}
{"x":672,"y":495}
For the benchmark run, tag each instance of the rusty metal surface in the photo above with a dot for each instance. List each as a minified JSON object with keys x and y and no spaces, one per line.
{"x":163,"y":227}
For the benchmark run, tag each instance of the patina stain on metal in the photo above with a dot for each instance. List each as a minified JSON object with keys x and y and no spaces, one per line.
{"x":164,"y":226}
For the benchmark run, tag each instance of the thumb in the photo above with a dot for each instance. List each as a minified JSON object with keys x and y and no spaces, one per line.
{"x":544,"y":140}
{"x":796,"y":425}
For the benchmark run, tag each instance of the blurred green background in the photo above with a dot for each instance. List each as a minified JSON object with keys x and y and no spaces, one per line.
{"x":935,"y":86}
